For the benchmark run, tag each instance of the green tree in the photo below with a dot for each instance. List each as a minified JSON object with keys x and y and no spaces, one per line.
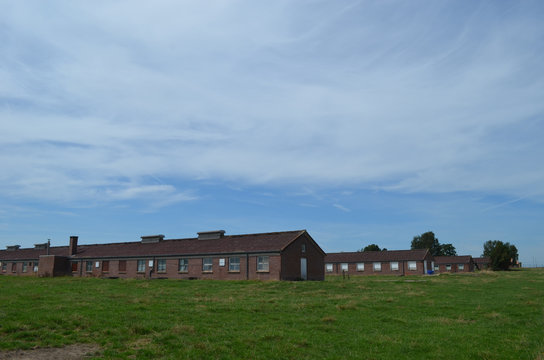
{"x":501,"y":255}
{"x":429,"y":241}
{"x":371,"y":247}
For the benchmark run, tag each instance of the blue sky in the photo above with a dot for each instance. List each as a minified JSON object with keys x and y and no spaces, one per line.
{"x":360,"y":121}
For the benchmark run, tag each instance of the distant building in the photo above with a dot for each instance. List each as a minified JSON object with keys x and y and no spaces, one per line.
{"x":386,"y":262}
{"x":482,"y":263}
{"x":288,"y":255}
{"x":453,"y":264}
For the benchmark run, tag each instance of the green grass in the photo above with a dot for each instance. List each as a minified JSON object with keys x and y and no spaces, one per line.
{"x":470,"y":316}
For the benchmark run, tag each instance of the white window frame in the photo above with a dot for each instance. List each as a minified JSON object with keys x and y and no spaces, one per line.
{"x":344,"y":267}
{"x":461,"y":266}
{"x":183,"y":265}
{"x":412,"y":265}
{"x":88,"y":266}
{"x":140,"y":266}
{"x":361,"y":266}
{"x":377,"y":266}
{"x":161,"y":265}
{"x":263,"y":263}
{"x":329,"y":267}
{"x":207,"y":264}
{"x":448,"y":267}
{"x":394,"y":266}
{"x":436,"y":267}
{"x":234,"y":264}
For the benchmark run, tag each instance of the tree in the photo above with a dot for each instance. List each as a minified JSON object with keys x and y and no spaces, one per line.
{"x":501,"y":255}
{"x":429,"y":241}
{"x":447,"y":250}
{"x":371,"y":247}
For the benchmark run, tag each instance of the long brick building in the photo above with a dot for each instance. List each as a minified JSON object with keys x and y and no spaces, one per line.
{"x":288,"y":255}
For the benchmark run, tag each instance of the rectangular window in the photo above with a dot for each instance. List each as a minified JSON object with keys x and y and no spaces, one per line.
{"x":377,"y":266}
{"x":262,"y":263}
{"x":141,"y":266}
{"x":328,"y":267}
{"x":303,"y":248}
{"x":394,"y":265}
{"x":105,"y":266}
{"x":234,"y":264}
{"x":35,"y":267}
{"x":222,"y":262}
{"x":448,"y":267}
{"x":14,"y":267}
{"x":344,"y":266}
{"x":436,"y":267}
{"x":360,"y":266}
{"x":74,"y":266}
{"x":183,"y":265}
{"x":89,"y":266}
{"x":412,"y":265}
{"x":161,"y":265}
{"x":207,"y":264}
{"x":122,"y":266}
{"x":4,"y":267}
{"x":24,"y":267}
{"x":461,"y":266}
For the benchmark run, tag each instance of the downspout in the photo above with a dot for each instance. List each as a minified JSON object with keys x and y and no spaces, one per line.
{"x":247,"y":266}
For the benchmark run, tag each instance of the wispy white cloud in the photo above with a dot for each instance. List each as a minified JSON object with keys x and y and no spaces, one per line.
{"x":340,"y":207}
{"x":380,"y":95}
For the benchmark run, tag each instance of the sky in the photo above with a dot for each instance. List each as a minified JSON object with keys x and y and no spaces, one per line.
{"x":360,"y":121}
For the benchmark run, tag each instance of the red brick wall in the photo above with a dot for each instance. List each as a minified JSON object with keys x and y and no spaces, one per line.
{"x":19,"y":268}
{"x":385,"y":268}
{"x":455,"y":268}
{"x":291,"y":258}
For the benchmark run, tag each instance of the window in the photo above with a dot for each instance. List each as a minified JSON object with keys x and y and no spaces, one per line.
{"x":14,"y":267}
{"x":207,"y":264}
{"x":328,"y":267}
{"x":89,"y":266}
{"x":105,"y":266}
{"x":262,"y":263}
{"x":394,"y":265}
{"x":461,"y":266}
{"x":141,"y":266}
{"x":360,"y":266}
{"x":344,"y":266}
{"x":122,"y":266}
{"x":377,"y":266}
{"x":303,"y":248}
{"x":35,"y":267}
{"x":183,"y":265}
{"x":234,"y":264}
{"x":74,"y":266}
{"x":4,"y":267}
{"x":436,"y":267}
{"x":24,"y":267}
{"x":222,"y":262}
{"x":448,"y":267}
{"x":412,"y":265}
{"x":161,"y":265}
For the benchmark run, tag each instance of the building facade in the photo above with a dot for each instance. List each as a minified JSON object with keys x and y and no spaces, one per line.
{"x":289,"y":255}
{"x":387,"y":262}
{"x":453,"y":264}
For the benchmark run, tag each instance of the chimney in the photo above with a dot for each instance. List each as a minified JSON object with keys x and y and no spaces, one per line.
{"x":211,"y":235}
{"x":40,"y":246}
{"x":13,"y":247}
{"x":148,"y":239}
{"x":73,"y":245}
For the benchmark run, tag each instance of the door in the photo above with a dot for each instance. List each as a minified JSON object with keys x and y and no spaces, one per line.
{"x":303,"y":269}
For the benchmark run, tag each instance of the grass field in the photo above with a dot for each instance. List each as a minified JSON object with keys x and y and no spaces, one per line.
{"x":470,"y":316}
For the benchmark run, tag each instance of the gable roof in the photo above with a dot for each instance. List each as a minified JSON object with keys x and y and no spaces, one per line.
{"x":463,"y":259}
{"x":481,"y":260}
{"x":385,"y":255}
{"x":249,"y":243}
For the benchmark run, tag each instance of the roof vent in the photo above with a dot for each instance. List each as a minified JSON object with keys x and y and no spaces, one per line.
{"x":152,"y":239}
{"x":211,"y":235}
{"x":13,"y":247}
{"x":40,"y":246}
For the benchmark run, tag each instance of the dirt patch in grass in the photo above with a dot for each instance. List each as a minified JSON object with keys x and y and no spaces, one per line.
{"x":72,"y":352}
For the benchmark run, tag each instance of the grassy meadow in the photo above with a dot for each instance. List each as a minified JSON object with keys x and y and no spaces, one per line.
{"x":468,"y":316}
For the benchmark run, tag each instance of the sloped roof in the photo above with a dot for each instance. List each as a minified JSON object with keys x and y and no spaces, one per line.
{"x":386,"y":255}
{"x":481,"y":260}
{"x":253,"y":243}
{"x":463,"y":259}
